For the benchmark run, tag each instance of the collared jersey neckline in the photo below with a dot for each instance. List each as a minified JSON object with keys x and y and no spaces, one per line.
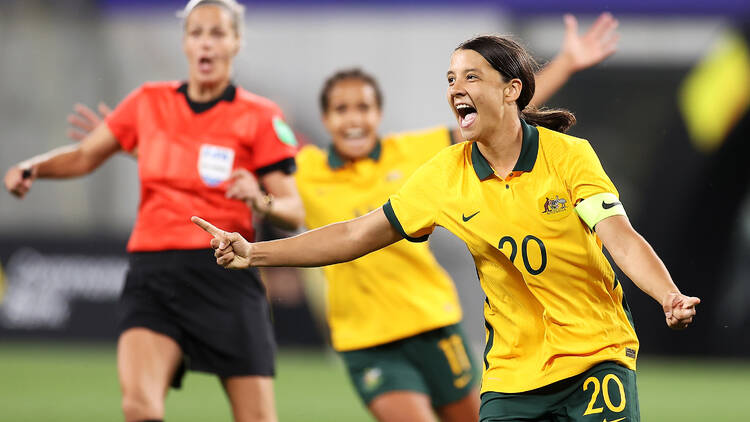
{"x":336,"y":161}
{"x":228,"y":95}
{"x":526,"y":160}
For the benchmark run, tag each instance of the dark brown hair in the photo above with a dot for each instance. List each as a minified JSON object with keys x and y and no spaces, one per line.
{"x":341,"y":75}
{"x":514,"y":62}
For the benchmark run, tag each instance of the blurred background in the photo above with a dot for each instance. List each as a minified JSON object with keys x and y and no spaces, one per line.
{"x":667,"y":114}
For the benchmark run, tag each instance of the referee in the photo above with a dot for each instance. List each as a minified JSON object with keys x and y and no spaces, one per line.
{"x":178,"y":310}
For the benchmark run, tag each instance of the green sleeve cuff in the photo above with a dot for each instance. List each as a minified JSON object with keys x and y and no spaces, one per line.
{"x":391,"y":216}
{"x":596,"y":208}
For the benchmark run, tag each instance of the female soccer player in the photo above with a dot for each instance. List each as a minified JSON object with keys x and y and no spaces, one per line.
{"x":177,"y":311}
{"x":408,"y":369}
{"x":534,"y":207}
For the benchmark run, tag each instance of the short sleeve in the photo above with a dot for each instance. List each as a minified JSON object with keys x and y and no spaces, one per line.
{"x":123,"y":121}
{"x":593,"y":193}
{"x":413,"y":210}
{"x":273,"y":141}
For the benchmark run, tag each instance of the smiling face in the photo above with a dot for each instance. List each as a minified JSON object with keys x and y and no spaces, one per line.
{"x":352,"y":117}
{"x":210,"y":43}
{"x":479,"y":97}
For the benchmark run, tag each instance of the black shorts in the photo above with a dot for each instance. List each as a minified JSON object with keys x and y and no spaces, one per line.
{"x":219,"y":317}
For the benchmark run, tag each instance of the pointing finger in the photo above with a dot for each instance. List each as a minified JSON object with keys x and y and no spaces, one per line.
{"x":205,"y":225}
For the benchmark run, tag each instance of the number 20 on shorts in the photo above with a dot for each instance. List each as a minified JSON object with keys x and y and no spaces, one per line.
{"x":604,"y":389}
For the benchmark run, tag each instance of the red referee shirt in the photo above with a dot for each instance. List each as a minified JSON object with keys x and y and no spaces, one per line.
{"x":186,"y":153}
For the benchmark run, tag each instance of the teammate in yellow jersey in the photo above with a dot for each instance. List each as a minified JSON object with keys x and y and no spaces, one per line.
{"x":534,"y":207}
{"x":400,"y":339}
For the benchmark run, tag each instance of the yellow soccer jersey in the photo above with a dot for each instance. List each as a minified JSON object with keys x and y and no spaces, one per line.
{"x":554,"y":307}
{"x":394,"y":293}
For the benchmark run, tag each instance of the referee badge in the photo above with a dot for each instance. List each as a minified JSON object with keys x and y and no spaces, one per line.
{"x":215,"y":164}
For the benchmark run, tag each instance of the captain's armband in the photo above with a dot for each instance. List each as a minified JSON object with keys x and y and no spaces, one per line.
{"x":596,"y":208}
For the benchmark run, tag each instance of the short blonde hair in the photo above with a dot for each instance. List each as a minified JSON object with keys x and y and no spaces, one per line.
{"x":236,"y":11}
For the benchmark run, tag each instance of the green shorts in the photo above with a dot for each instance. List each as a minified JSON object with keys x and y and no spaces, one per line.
{"x":437,"y":363}
{"x":606,"y":392}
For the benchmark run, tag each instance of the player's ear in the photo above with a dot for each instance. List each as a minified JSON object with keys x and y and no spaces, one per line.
{"x":512,"y":91}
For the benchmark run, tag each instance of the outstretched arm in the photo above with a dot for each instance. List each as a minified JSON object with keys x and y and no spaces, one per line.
{"x":332,"y":244}
{"x":64,"y":162}
{"x":577,"y":53}
{"x":638,"y":260}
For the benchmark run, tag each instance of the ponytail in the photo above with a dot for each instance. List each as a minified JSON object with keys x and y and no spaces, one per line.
{"x":556,"y":119}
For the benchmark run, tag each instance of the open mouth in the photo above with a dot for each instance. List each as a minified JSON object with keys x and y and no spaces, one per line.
{"x":356,"y":138}
{"x":467,"y":114}
{"x":354,"y":133}
{"x":205,"y":64}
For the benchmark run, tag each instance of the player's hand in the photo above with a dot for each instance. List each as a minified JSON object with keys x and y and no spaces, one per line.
{"x":18,"y":180}
{"x":679,"y":310}
{"x":83,"y":120}
{"x":598,"y":43}
{"x":245,"y":187}
{"x":230,"y":249}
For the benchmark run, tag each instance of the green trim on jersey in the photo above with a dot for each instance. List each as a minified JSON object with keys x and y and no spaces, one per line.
{"x":529,"y":148}
{"x":490,"y":341}
{"x":526,"y":159}
{"x":596,"y":208}
{"x":336,"y":161}
{"x":388,"y":209}
{"x":481,"y":166}
{"x":626,"y":307}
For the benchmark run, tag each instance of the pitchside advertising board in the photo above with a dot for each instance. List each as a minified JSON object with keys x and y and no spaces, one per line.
{"x":67,"y":288}
{"x":61,"y":287}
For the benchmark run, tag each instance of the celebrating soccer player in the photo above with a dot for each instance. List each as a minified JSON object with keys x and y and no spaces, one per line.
{"x":534,"y":207}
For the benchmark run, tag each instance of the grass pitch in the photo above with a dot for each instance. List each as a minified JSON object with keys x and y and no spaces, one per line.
{"x":63,"y":382}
